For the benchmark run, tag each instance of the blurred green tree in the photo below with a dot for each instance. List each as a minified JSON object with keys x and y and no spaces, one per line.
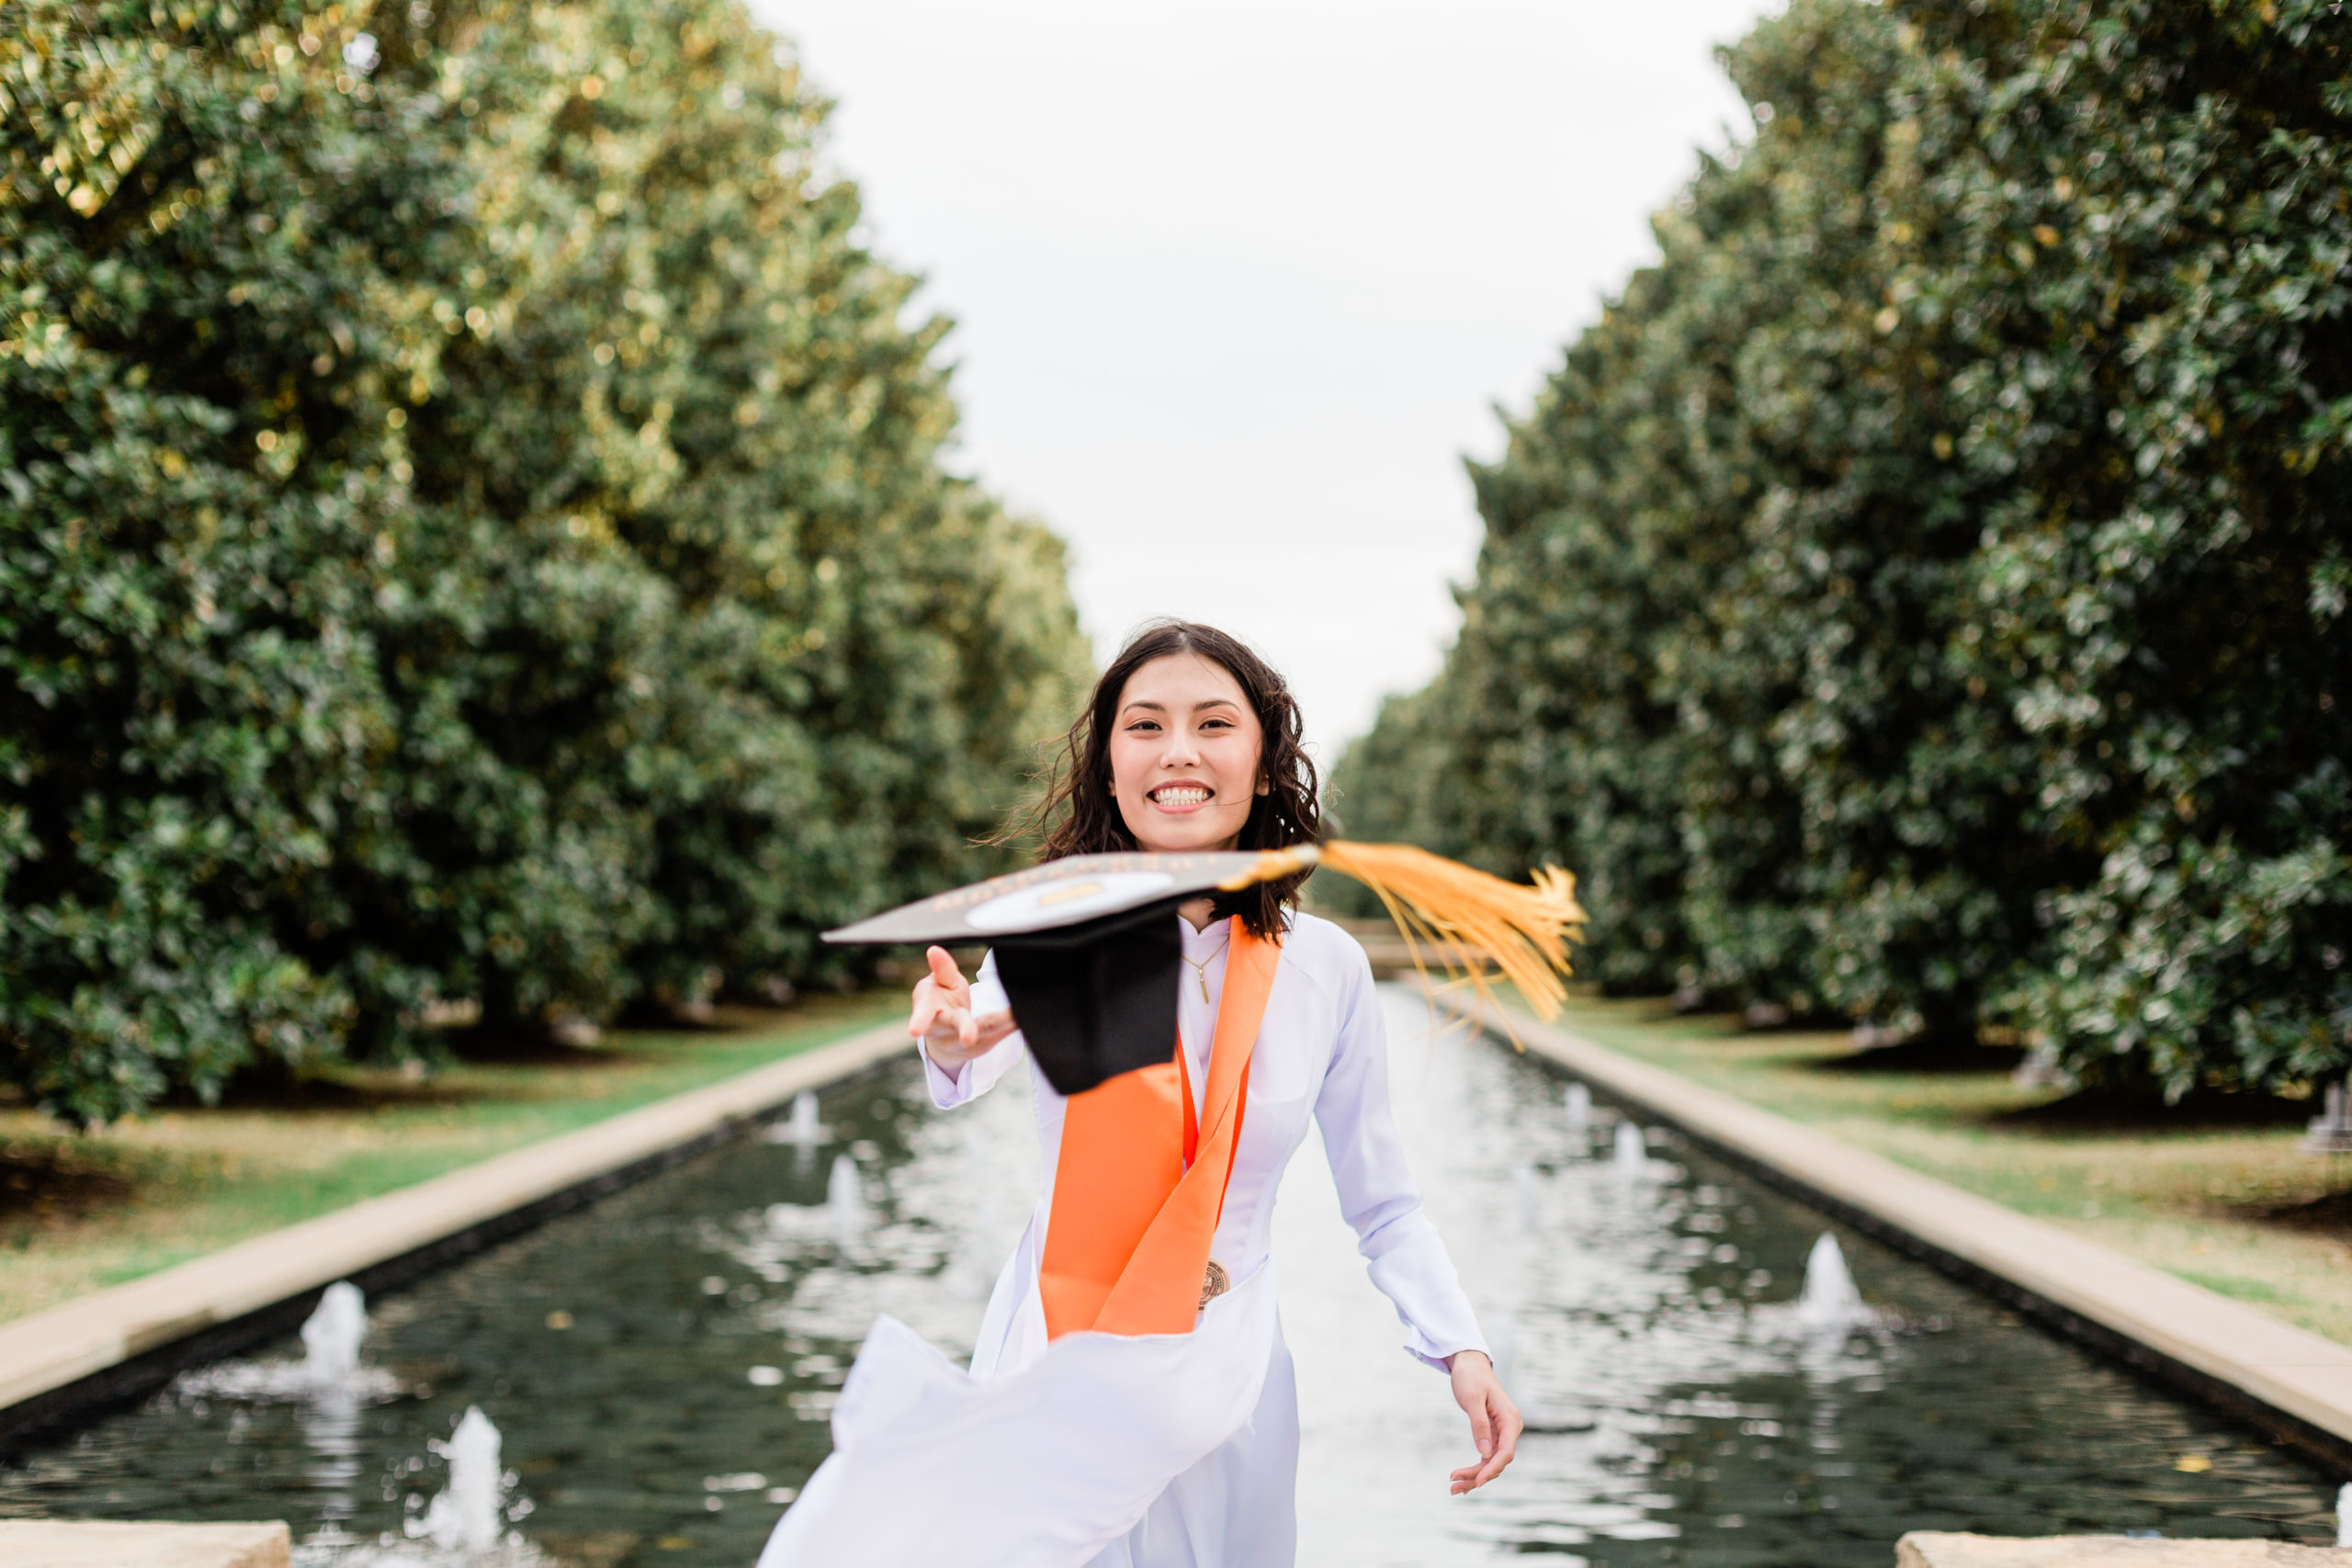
{"x":474,"y":527}
{"x":1921,"y":596}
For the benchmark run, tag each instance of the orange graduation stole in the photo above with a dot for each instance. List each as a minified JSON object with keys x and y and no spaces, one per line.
{"x":1138,"y":1187}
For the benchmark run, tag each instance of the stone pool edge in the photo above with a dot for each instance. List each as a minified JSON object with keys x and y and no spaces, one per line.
{"x":117,"y":1344}
{"x":2291,"y":1383}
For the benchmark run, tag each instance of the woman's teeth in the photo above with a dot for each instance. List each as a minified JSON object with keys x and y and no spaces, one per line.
{"x":1180,"y":795}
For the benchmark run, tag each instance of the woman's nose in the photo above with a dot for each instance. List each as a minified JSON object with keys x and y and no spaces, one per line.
{"x":1178,"y":750}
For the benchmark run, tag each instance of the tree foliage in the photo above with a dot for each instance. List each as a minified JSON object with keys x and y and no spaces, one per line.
{"x":1921,"y":596}
{"x":474,"y":527}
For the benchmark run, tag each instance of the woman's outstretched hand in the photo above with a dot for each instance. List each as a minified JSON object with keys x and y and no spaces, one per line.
{"x":1495,"y":1424}
{"x":943,"y":1020}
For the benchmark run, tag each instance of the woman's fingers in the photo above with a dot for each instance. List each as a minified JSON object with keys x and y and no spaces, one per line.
{"x":929,"y":1005}
{"x":1507,"y":1428}
{"x":943,"y":1018}
{"x":939,"y":996}
{"x":937,"y":1022}
{"x":944,"y":971}
{"x":1495,"y":1426}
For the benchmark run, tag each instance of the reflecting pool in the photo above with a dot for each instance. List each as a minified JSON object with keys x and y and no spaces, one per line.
{"x":659,"y":1367}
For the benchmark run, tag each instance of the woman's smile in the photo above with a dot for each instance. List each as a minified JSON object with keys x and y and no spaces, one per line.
{"x":1180,"y":797}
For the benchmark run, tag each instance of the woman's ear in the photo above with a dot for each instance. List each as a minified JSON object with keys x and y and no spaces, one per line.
{"x":1266,"y":785}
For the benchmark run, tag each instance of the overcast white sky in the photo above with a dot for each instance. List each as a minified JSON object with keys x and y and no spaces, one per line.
{"x":1240,"y":283}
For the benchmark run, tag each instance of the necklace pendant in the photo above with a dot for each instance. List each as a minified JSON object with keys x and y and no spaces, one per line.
{"x":1204,"y":984}
{"x":1215,"y":1282}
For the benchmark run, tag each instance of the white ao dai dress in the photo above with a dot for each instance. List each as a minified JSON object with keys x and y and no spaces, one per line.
{"x":1152,"y":1452}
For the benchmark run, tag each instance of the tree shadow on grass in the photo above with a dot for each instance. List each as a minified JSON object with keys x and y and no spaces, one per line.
{"x":2140,"y":1116}
{"x":2329,"y":1214}
{"x":500,"y":1048}
{"x":653,"y":1015}
{"x":1925,"y":1057}
{"x":44,"y":1185}
{"x":272,"y":1088}
{"x":286,"y":1095}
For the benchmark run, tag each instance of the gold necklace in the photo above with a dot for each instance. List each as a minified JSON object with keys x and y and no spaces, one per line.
{"x":1201,"y":966}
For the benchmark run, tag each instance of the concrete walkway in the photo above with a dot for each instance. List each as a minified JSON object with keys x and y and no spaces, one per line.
{"x":2289,"y":1381}
{"x":1935,"y":1549}
{"x":50,"y":1352}
{"x":104,"y":1543}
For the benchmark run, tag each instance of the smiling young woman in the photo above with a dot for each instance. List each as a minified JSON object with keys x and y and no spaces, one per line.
{"x":1185,"y":709}
{"x":1092,"y":1431}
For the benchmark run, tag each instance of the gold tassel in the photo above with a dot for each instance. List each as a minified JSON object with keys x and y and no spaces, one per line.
{"x":1467,"y":915}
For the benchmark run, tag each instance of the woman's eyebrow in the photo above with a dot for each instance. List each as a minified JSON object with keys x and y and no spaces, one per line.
{"x":1145,"y":703}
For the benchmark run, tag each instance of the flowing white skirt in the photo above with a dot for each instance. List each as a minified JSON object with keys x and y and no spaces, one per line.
{"x":1169,"y":1450}
{"x":1238,"y":1507}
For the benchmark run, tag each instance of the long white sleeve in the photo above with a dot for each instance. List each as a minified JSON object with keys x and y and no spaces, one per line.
{"x":976,"y":1077}
{"x":1407,"y":1257}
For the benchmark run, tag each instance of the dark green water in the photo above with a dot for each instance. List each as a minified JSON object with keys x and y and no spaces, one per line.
{"x":660,"y":1366}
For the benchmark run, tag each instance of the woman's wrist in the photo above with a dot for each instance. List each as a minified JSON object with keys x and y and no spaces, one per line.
{"x":950,"y":1054}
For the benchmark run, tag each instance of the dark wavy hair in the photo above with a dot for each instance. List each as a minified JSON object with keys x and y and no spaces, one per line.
{"x":1079,"y":815}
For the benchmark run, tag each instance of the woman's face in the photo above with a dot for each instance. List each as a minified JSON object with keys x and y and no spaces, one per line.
{"x":1185,"y":748}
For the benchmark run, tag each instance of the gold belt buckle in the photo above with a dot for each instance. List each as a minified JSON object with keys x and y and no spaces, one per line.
{"x":1214,"y":1284}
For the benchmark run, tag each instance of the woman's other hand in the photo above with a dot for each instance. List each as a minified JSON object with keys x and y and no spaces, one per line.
{"x":943,"y":1020}
{"x":1495,"y":1424}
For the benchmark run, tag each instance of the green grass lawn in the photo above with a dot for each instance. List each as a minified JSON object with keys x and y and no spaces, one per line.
{"x":2220,"y":1197}
{"x":77,"y":1213}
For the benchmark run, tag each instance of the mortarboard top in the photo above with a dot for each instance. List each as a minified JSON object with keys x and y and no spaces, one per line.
{"x":1087,"y":947}
{"x":1090,"y":954}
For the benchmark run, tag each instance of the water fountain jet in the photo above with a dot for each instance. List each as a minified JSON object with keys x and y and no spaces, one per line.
{"x":329,"y":1415}
{"x":330,"y":1336}
{"x":1629,"y":1155}
{"x":802,"y":1130}
{"x":1829,"y":1299}
{"x":329,"y":1371}
{"x":465,"y":1517}
{"x":844,"y":1205}
{"x":1580,"y":1107}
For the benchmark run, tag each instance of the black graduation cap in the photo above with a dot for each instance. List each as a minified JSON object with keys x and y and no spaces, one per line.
{"x":1091,"y":957}
{"x":1087,"y":947}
